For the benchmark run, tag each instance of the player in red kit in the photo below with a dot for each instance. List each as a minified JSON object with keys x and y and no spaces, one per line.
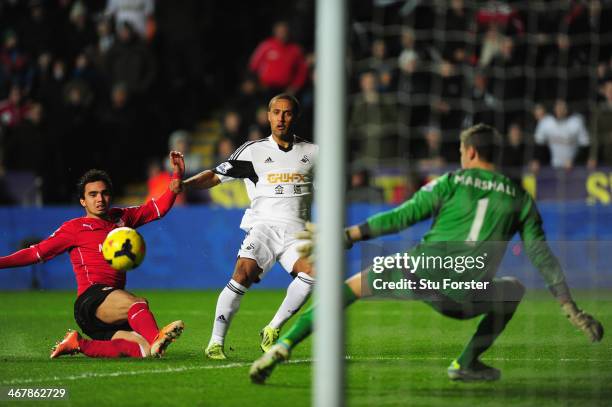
{"x":118,"y":322}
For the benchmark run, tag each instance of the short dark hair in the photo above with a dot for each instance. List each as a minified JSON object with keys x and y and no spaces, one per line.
{"x":486,"y":141}
{"x":296,"y":104}
{"x":93,"y":176}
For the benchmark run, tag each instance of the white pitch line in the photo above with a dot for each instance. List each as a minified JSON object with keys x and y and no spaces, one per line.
{"x":181,"y":369}
{"x":123,"y":373}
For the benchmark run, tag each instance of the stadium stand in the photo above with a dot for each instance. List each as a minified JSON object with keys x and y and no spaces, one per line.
{"x":419,"y":72}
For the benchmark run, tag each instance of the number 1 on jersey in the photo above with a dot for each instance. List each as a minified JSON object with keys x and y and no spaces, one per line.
{"x":481,"y":209}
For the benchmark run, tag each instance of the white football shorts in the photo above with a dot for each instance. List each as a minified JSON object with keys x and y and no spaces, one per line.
{"x":268,"y":244}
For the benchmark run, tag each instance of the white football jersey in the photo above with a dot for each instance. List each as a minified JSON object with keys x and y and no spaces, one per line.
{"x":563,"y":137}
{"x":134,"y":12}
{"x":279,"y":181}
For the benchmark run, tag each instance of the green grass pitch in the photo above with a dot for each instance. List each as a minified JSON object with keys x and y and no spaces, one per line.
{"x":397,"y":355}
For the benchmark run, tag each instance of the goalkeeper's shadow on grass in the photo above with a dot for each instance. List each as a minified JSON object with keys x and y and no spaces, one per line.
{"x":280,"y":386}
{"x":504,"y":390}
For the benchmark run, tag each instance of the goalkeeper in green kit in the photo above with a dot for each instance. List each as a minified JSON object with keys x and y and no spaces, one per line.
{"x":476,"y":211}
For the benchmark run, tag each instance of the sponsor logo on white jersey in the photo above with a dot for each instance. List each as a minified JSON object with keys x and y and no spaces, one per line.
{"x":273,"y":178}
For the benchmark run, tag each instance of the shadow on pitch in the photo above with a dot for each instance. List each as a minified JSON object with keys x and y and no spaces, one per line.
{"x":519,"y":391}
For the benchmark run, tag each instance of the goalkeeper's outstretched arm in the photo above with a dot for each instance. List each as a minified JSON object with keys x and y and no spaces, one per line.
{"x":421,"y":206}
{"x":547,"y":264}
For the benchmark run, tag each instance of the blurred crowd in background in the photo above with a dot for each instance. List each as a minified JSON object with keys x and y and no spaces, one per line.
{"x":116,"y":84}
{"x":539,"y":71}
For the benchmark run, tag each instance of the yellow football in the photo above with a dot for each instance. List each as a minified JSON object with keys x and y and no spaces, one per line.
{"x":124,"y":249}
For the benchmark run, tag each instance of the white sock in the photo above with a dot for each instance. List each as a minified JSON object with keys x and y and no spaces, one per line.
{"x":297,"y":294}
{"x":227,"y":305}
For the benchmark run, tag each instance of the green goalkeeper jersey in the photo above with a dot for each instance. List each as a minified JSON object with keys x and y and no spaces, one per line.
{"x":476,"y":212}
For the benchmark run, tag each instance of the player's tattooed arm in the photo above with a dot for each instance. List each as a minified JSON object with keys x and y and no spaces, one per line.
{"x":227,"y":170}
{"x":204,"y":180}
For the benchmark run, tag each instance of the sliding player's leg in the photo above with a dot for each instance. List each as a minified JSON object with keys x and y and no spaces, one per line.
{"x":102,"y":311}
{"x":246,"y":272}
{"x":121,"y":305}
{"x":300,"y":330}
{"x":497,"y":306}
{"x":123,"y":344}
{"x":357,"y":286}
{"x":133,"y":337}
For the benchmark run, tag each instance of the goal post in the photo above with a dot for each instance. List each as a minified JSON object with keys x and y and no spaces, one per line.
{"x":330,"y":130}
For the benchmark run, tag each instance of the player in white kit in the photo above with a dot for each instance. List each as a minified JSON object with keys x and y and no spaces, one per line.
{"x":278,"y":173}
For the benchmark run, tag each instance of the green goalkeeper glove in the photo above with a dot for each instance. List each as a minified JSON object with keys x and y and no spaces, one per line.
{"x":583,"y":321}
{"x":308,"y":234}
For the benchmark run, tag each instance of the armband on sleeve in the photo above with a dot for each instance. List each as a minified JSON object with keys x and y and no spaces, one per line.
{"x":236,"y":169}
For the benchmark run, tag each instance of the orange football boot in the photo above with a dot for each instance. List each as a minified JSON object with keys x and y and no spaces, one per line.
{"x":165,"y":337}
{"x":67,"y":346}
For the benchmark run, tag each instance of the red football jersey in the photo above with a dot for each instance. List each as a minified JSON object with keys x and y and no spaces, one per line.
{"x":83,"y":238}
{"x":279,"y":65}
